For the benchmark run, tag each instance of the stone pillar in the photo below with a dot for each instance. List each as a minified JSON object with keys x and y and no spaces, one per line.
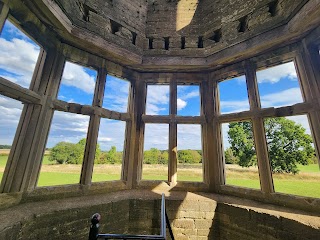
{"x":211,"y":136}
{"x":173,"y":151}
{"x":24,"y":162}
{"x":135,"y":132}
{"x":309,"y":72}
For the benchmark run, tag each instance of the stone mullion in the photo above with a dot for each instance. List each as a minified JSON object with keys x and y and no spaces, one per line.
{"x":126,"y":150}
{"x":4,"y":11}
{"x":213,"y":165}
{"x":173,"y":151}
{"x":264,"y":167}
{"x":135,"y":131}
{"x":24,"y":163}
{"x":309,"y":73}
{"x":93,"y":130}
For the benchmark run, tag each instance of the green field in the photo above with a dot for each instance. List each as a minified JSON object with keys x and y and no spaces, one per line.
{"x":306,"y":183}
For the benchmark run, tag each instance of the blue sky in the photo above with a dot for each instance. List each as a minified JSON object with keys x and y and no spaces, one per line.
{"x":278,"y":86}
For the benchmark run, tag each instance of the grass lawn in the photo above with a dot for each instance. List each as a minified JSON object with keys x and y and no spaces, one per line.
{"x":306,"y":183}
{"x":3,"y":161}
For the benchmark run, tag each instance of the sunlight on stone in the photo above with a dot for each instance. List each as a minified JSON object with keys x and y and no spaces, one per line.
{"x":185,"y":12}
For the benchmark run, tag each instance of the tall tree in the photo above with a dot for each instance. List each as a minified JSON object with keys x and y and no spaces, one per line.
{"x":288,"y":144}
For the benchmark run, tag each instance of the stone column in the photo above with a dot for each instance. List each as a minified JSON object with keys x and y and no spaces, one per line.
{"x":173,"y":151}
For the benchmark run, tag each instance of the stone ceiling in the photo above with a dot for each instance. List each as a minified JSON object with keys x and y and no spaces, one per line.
{"x":176,"y":32}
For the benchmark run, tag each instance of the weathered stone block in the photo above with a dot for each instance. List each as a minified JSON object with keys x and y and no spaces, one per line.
{"x":192,"y":42}
{"x":125,"y":33}
{"x":158,"y":43}
{"x":183,"y":223}
{"x":203,"y":223}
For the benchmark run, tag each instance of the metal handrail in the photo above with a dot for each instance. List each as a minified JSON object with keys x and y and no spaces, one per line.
{"x":94,"y":229}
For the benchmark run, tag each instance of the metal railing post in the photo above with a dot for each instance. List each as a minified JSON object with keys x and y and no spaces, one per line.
{"x":94,"y":228}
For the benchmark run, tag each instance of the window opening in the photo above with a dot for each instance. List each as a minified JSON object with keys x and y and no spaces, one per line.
{"x":155,"y":154}
{"x":77,"y":84}
{"x":157,"y":100}
{"x":292,"y":156}
{"x":188,"y":100}
{"x":233,"y":95}
{"x":10,"y":114}
{"x":109,"y":151}
{"x":279,"y":86}
{"x":18,"y":55}
{"x":189,"y":153}
{"x":65,"y":149}
{"x":239,"y":155}
{"x":116,"y":94}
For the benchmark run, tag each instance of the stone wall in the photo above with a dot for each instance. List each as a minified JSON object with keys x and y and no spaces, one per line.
{"x":120,"y":21}
{"x":192,"y":216}
{"x":190,"y":24}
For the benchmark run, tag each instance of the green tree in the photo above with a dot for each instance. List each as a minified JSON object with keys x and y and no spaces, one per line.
{"x":229,"y":157}
{"x":189,"y":156}
{"x":112,"y":156}
{"x":70,"y":153}
{"x":65,"y":152}
{"x":287,"y":141}
{"x":152,"y":156}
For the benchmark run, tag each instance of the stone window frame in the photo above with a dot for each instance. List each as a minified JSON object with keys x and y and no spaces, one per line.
{"x":256,"y":114}
{"x":96,"y":112}
{"x":172,"y":119}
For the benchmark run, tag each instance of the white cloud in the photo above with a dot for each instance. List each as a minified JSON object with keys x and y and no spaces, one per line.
{"x":224,"y":132}
{"x":274,"y":74}
{"x":191,"y":94}
{"x":111,"y":133}
{"x":156,"y":136}
{"x":189,"y":136}
{"x":181,"y":104}
{"x":284,"y":98}
{"x":18,"y":58}
{"x":10,"y":115}
{"x":116,"y":94}
{"x":67,"y":127}
{"x":153,"y":109}
{"x":234,"y":106}
{"x":157,"y":99}
{"x":76,"y":76}
{"x":303,"y":120}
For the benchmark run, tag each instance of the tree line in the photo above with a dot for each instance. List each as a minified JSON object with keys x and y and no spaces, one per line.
{"x":70,"y":153}
{"x":288,"y":145}
{"x":5,"y":147}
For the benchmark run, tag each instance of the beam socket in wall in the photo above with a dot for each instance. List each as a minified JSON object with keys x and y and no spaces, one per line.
{"x":243,"y":24}
{"x":166,"y":43}
{"x":134,"y":38}
{"x":115,"y":27}
{"x":273,"y":8}
{"x":200,"y":42}
{"x":183,"y":42}
{"x":150,"y":42}
{"x":217,"y":35}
